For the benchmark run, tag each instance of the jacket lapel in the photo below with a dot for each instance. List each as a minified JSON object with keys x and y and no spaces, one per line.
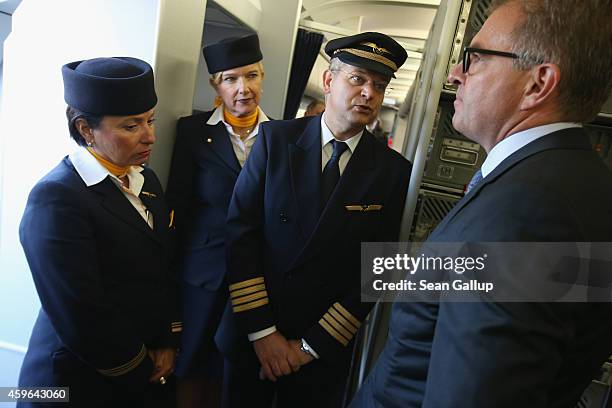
{"x":305,"y":167}
{"x":154,"y":201}
{"x":572,"y":138}
{"x":117,"y":204}
{"x":356,"y":181}
{"x":217,"y":138}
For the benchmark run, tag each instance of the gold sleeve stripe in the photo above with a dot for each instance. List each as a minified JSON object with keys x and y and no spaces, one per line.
{"x":246,"y":283}
{"x":252,"y":305}
{"x":336,"y":325}
{"x":333,"y":333}
{"x":369,"y":55}
{"x":127,"y":367}
{"x":346,"y":314}
{"x":246,"y":291}
{"x":342,"y":320}
{"x":176,"y":327}
{"x":249,"y":298}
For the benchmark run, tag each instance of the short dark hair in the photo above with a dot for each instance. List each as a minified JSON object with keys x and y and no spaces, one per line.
{"x":72,"y":114}
{"x":576,"y":36}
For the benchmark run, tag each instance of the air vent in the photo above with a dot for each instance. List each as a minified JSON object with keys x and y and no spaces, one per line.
{"x":446,"y":122}
{"x":436,"y":208}
{"x":431,"y":208}
{"x":481,"y":13}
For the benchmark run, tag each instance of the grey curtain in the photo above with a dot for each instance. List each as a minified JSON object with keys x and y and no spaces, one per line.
{"x":307,"y":46}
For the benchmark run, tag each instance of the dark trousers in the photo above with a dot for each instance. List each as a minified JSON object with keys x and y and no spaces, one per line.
{"x":315,"y":385}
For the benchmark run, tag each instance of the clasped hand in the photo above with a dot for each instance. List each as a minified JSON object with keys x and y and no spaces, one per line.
{"x":279,"y":356}
{"x":163,"y":359}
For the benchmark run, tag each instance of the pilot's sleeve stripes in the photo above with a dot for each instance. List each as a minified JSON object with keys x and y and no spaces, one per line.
{"x":346,"y":314}
{"x":176,"y":327}
{"x":127,"y":367}
{"x":340,"y":323}
{"x":248,"y":294}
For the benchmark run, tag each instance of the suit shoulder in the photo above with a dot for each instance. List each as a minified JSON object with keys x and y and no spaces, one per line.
{"x":62,"y":178}
{"x":393,"y":157}
{"x":197,"y":118}
{"x":291,"y":125}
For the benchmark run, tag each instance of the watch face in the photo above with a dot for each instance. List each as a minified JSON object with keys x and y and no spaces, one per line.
{"x":305,"y":348}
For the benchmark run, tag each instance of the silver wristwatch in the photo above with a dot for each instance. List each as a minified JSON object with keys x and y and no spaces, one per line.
{"x":307,"y":349}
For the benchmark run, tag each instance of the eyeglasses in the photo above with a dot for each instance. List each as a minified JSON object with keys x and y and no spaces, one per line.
{"x":357,"y":79}
{"x":467,"y":55}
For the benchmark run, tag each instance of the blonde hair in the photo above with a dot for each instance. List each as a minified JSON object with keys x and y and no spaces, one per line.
{"x":215,"y":79}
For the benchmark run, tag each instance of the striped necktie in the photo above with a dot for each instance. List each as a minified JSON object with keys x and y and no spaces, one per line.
{"x":476,"y":178}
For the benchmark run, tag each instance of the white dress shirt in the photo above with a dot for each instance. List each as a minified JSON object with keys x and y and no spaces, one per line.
{"x":516,"y":141}
{"x":327,"y":149}
{"x":92,"y":172}
{"x":242,"y":148}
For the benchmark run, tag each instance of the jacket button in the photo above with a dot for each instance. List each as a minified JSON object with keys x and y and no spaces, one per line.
{"x":283,"y":217}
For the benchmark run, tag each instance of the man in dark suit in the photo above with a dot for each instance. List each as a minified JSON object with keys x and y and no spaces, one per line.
{"x":537,"y":70}
{"x":312,"y":190}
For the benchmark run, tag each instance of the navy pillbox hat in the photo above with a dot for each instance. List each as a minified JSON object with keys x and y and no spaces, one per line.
{"x":373,"y":51}
{"x":109,"y":86}
{"x":232,"y":53}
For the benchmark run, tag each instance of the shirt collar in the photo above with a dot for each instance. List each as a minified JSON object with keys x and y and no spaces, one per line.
{"x":217,"y":117}
{"x":92,"y":172}
{"x":327,"y":136}
{"x":516,"y":141}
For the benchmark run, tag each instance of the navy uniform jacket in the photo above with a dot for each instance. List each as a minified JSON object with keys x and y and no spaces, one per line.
{"x":288,"y":264}
{"x":104,"y":285}
{"x":535,"y":355}
{"x":204,"y":171}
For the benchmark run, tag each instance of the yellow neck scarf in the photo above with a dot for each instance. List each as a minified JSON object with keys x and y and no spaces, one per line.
{"x":113,"y":169}
{"x":236,"y":122}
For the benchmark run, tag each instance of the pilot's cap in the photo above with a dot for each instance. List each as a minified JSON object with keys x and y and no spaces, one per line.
{"x":232,"y":53}
{"x":373,"y":51}
{"x":109,"y":86}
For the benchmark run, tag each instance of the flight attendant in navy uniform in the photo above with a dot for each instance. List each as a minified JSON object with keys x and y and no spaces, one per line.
{"x":209,"y":153}
{"x":96,"y":236}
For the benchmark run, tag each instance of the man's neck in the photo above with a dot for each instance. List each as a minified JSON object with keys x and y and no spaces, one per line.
{"x":340,"y":132}
{"x":531,"y":121}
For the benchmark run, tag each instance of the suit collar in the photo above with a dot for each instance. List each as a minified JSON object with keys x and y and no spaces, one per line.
{"x":516,"y":141}
{"x":569,"y":138}
{"x":305,"y":168}
{"x":356,"y":181}
{"x":217,"y":138}
{"x":92,"y":172}
{"x":113,"y":200}
{"x":327,"y":136}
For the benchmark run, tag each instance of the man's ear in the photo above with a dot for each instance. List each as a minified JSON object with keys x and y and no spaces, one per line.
{"x":327,"y":78}
{"x":542,"y":84}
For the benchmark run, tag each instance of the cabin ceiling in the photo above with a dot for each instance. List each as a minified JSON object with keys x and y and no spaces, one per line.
{"x":8,"y":6}
{"x":406,"y":21}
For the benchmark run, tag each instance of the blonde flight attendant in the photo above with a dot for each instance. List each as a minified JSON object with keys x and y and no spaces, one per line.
{"x":209,"y":153}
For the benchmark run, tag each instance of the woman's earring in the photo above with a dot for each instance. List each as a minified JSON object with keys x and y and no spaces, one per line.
{"x":90,"y":144}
